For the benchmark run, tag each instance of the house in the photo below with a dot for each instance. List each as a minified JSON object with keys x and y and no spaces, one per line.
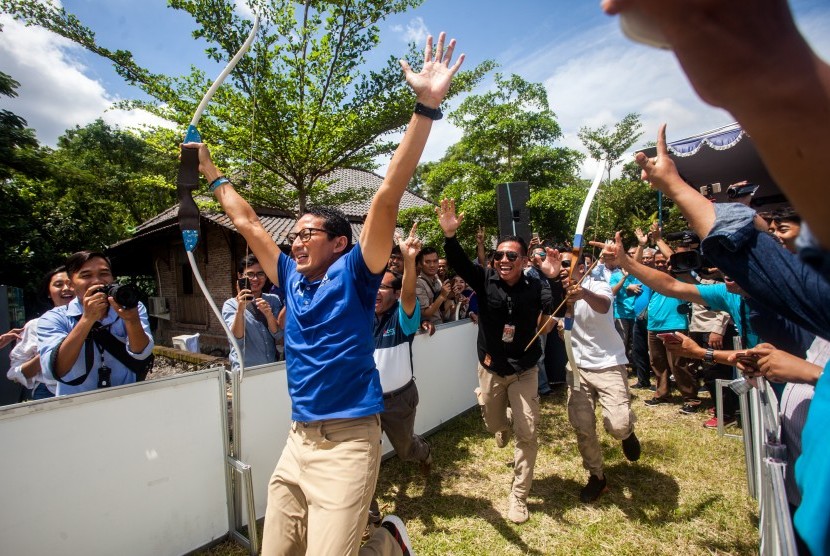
{"x":156,"y":250}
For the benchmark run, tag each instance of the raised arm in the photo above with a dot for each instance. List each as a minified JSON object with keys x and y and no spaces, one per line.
{"x":778,"y":89}
{"x":430,"y":87}
{"x":410,"y":247}
{"x":241,"y":214}
{"x":651,"y":277}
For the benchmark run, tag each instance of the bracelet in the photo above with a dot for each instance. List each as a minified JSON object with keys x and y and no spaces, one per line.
{"x":221,"y":180}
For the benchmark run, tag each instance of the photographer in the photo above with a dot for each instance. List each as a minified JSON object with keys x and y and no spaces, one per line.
{"x":101,"y":338}
{"x":252,"y":316}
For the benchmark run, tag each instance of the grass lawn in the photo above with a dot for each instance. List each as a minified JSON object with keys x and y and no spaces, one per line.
{"x":687,"y":495}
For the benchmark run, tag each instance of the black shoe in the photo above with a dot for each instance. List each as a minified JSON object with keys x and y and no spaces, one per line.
{"x":593,"y":489}
{"x":656,"y":401}
{"x":652,"y":388}
{"x":690,"y":408}
{"x":631,"y":447}
{"x":639,"y":386}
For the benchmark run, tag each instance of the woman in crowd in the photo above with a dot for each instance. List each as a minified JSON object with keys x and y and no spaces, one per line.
{"x":24,"y":359}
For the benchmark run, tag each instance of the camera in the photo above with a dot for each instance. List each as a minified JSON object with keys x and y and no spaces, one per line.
{"x":686,"y":237}
{"x":126,"y":295}
{"x":709,"y":190}
{"x":741,"y":190}
{"x":244,"y":283}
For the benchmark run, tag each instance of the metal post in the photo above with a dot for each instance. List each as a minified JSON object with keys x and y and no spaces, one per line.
{"x":243,"y":471}
{"x":746,"y":426}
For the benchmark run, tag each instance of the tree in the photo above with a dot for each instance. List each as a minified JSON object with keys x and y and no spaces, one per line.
{"x":509,"y":135}
{"x":17,"y":142}
{"x":611,"y":145}
{"x":98,"y":184}
{"x":302,"y":92}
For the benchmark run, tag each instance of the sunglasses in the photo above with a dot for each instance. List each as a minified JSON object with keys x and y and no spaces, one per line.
{"x":511,"y":255}
{"x":566,"y":264}
{"x":541,"y":254}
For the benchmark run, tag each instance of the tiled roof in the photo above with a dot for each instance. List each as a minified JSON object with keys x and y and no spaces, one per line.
{"x":279,"y":223}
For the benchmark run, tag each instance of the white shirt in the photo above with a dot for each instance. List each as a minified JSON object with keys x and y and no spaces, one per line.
{"x":595,"y":341}
{"x":25,"y":350}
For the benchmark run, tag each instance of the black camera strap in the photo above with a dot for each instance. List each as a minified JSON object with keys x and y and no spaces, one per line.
{"x":103,"y":338}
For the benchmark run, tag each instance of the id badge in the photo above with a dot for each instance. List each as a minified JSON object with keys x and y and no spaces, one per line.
{"x":508,"y":333}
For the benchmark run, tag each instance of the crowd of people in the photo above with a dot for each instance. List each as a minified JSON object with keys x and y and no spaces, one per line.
{"x":348,"y":310}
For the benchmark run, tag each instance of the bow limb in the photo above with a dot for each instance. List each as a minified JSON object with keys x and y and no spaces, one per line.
{"x":188,"y":182}
{"x":578,"y":245}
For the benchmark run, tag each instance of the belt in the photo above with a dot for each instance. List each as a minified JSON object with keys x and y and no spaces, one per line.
{"x":399,"y":391}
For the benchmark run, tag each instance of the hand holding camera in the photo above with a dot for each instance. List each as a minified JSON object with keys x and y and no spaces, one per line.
{"x":245,"y":294}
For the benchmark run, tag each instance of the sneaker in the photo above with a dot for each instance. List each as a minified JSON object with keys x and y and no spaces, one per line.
{"x":594,"y":489}
{"x":426,"y":465}
{"x":656,"y":401}
{"x":713,"y":422}
{"x":690,"y":408}
{"x":395,"y":526}
{"x":502,"y":438}
{"x":631,"y":447}
{"x":518,"y":510}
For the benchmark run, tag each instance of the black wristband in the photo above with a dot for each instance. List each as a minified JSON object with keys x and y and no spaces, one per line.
{"x":431,"y":113}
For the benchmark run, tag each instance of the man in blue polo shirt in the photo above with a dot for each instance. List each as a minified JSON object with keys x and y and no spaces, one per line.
{"x":397,"y":319}
{"x":320,"y":491}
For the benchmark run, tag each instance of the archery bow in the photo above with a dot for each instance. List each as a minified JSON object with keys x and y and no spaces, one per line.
{"x":188,"y":182}
{"x":576,"y":251}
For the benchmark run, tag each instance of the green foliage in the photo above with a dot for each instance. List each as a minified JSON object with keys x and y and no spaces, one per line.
{"x":18,"y":144}
{"x":302,"y":93}
{"x":612,"y":144}
{"x":98,"y":184}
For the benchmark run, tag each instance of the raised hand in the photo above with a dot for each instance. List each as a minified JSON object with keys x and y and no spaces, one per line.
{"x":642,"y":239}
{"x":552,"y":264}
{"x":447,"y":218}
{"x":433,"y":81}
{"x":411,"y":245}
{"x":612,"y":252}
{"x":659,"y":171}
{"x":656,"y":231}
{"x":480,"y":235}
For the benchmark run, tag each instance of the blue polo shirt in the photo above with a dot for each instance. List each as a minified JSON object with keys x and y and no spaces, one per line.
{"x":329,"y":344}
{"x":623,"y":301}
{"x":663,"y":315}
{"x":718,"y":298}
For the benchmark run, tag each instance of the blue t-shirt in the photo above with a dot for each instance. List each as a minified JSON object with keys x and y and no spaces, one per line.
{"x":641,"y":301}
{"x":663,"y":314}
{"x":718,"y":298}
{"x":623,"y":301}
{"x":328,"y":340}
{"x":812,"y":472}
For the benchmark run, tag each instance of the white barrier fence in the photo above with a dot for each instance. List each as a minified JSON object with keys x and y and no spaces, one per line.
{"x":144,"y":468}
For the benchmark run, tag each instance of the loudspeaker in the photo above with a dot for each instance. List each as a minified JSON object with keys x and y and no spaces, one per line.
{"x":514,"y":216}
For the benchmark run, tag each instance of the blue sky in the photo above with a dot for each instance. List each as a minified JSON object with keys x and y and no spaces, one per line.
{"x":592,"y":73}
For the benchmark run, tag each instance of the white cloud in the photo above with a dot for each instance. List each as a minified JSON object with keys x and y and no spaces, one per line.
{"x":55,"y":93}
{"x":243,"y":8}
{"x":415,"y":31}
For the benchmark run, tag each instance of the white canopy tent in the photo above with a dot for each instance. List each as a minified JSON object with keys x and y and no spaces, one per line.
{"x":725,"y":155}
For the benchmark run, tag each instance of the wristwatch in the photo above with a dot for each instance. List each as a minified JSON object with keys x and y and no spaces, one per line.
{"x":431,"y":113}
{"x":709,"y":356}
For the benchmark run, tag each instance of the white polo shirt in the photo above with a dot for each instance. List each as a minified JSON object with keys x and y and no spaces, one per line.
{"x":595,"y":341}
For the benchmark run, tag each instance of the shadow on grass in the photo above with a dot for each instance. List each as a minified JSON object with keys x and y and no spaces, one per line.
{"x":435,"y":503}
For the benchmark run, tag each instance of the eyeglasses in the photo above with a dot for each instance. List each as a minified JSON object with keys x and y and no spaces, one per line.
{"x":255,"y":275}
{"x":386,"y":287}
{"x":511,"y":255}
{"x":305,"y":234}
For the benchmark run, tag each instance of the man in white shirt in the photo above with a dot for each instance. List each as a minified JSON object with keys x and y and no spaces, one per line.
{"x":599,"y":353}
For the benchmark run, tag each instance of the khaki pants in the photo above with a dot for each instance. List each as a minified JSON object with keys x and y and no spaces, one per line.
{"x":665,"y":363}
{"x":609,"y":387}
{"x":520,"y":392}
{"x":319,"y":493}
{"x":398,"y":422}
